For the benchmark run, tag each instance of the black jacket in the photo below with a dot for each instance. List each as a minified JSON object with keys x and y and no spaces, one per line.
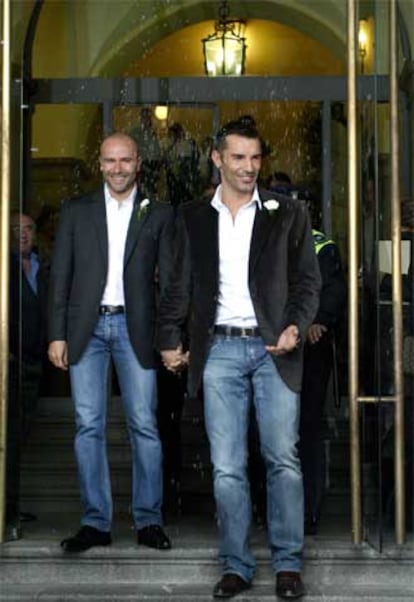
{"x":284,"y":281}
{"x":27,"y":312}
{"x":79,"y":272}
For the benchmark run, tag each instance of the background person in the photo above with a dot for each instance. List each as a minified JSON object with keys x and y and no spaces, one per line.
{"x":181,"y":160}
{"x":317,"y":368}
{"x":27,"y":347}
{"x":148,"y":142}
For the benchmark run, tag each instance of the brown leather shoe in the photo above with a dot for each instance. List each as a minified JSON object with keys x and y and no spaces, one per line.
{"x":230,"y":585}
{"x":289,"y":585}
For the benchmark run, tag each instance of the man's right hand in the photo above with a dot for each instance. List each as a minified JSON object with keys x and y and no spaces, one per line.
{"x":174,"y":359}
{"x":58,"y":354}
{"x":315,"y":333}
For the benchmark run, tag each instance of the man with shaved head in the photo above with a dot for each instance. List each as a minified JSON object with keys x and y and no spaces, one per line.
{"x":109,"y":246}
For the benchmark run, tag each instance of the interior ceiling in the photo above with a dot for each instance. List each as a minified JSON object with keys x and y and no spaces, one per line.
{"x":272,"y":50}
{"x":90,"y":39}
{"x":322,"y":20}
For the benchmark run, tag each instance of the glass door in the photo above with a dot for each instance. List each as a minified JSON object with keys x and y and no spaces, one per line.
{"x":175,"y":143}
{"x":383,"y":398}
{"x":375,"y":324}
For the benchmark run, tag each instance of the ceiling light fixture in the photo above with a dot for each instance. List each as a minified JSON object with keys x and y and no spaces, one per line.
{"x":225,"y":49}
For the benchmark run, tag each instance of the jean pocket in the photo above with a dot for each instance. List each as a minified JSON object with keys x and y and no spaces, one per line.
{"x":217,"y":342}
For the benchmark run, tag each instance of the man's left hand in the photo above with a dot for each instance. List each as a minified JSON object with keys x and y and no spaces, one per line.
{"x":288,"y":341}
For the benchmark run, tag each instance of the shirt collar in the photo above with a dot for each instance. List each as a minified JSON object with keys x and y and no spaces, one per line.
{"x":34,"y":256}
{"x":218,"y":204}
{"x":129,"y":201}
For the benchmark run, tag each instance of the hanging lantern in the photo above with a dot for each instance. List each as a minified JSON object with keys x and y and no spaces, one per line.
{"x":225,"y":49}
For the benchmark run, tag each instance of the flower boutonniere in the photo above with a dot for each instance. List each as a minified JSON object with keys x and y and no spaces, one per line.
{"x":143,"y":208}
{"x":271,"y":205}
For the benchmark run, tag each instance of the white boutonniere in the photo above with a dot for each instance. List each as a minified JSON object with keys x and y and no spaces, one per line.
{"x":271,"y":205}
{"x":143,"y":208}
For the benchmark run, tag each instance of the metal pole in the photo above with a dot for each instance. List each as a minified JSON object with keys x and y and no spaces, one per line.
{"x":396,"y":282}
{"x":4,"y":254}
{"x":326,"y":168}
{"x":353,"y":272}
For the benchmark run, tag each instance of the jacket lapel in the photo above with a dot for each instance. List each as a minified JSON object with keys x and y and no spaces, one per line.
{"x":135,"y":226}
{"x":208,"y":239}
{"x":263,"y":224}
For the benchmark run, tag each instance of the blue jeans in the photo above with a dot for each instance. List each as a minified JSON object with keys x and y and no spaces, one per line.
{"x":89,"y":382}
{"x":240,"y":371}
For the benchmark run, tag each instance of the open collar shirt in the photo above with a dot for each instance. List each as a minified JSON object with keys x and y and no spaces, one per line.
{"x":118,"y":216}
{"x":235,"y":307}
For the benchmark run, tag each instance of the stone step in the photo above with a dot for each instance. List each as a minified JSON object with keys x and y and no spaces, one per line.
{"x":49,"y":476}
{"x":61,"y":410}
{"x":188,"y":502}
{"x":194,"y":473}
{"x":96,"y":592}
{"x":58,"y":471}
{"x":131,"y":574}
{"x":35,"y":568}
{"x":193,"y":560}
{"x":38,"y":462}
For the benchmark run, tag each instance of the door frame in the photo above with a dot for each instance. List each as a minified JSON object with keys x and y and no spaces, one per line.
{"x":203,"y":91}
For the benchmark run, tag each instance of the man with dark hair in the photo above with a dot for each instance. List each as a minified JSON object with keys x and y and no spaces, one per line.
{"x":109,"y":247}
{"x":246,"y":281}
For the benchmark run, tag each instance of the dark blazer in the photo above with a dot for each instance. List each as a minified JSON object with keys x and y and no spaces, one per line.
{"x":27,"y":313}
{"x":284,"y":282}
{"x":79,"y":272}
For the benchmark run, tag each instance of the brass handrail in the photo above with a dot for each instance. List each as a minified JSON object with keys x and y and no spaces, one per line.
{"x":4,"y":254}
{"x":353,"y":293}
{"x":396,"y":281}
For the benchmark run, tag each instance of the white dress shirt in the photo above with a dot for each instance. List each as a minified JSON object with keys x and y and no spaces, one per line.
{"x":235,"y":307}
{"x":118,"y":216}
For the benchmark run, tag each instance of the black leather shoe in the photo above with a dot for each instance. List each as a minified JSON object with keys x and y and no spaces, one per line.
{"x":86,"y":538}
{"x":230,"y":585}
{"x":289,"y":585}
{"x":154,"y":537}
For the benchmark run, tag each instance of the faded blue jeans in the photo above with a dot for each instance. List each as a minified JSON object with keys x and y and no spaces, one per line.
{"x":240,"y":371}
{"x":89,"y":382}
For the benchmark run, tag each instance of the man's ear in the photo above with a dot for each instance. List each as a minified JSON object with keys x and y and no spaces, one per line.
{"x":216,"y":158}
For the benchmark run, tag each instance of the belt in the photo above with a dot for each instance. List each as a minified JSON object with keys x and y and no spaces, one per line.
{"x":236,"y":331}
{"x":109,"y":310}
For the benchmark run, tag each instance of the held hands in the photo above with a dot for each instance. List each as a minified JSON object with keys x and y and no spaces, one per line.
{"x":288,"y":341}
{"x":174,"y":359}
{"x":315,"y":333}
{"x":58,"y":354}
